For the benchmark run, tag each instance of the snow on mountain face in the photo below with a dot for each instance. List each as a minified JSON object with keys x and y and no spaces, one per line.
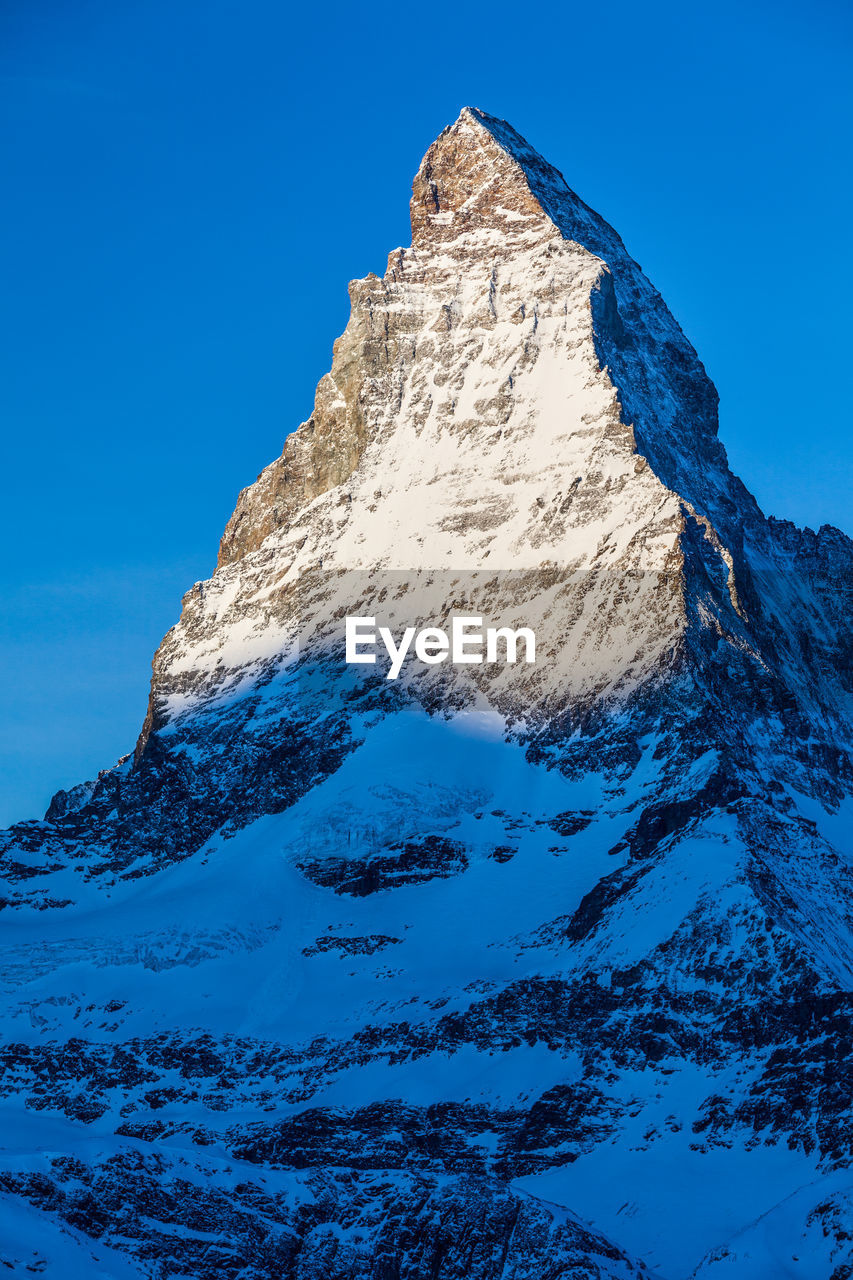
{"x":504,"y":972}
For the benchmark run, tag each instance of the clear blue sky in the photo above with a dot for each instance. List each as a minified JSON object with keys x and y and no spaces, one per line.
{"x":190,"y":184}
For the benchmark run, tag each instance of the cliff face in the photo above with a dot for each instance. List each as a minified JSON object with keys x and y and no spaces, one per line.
{"x":507,"y":972}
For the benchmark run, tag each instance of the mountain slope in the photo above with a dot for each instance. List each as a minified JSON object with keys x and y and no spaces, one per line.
{"x":497,"y":971}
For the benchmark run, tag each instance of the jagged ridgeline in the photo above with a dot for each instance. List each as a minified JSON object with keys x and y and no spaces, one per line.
{"x":505,"y":972}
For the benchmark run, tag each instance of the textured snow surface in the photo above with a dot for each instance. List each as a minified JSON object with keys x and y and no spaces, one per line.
{"x":501,"y":972}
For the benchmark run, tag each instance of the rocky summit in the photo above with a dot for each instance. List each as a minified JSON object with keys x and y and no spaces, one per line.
{"x":504,"y":973}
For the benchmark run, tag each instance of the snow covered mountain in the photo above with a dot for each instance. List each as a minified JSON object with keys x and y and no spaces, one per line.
{"x":514,"y":973}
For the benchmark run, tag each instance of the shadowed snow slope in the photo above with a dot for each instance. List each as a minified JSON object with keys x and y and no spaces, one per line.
{"x":495,"y":971}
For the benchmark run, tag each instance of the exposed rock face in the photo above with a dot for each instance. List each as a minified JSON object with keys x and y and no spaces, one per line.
{"x":516,"y":973}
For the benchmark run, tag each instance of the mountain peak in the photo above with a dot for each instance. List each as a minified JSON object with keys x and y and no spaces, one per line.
{"x":434,"y":973}
{"x":479,"y":176}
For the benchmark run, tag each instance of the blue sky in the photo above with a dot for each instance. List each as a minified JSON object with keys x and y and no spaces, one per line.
{"x":190,"y":184}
